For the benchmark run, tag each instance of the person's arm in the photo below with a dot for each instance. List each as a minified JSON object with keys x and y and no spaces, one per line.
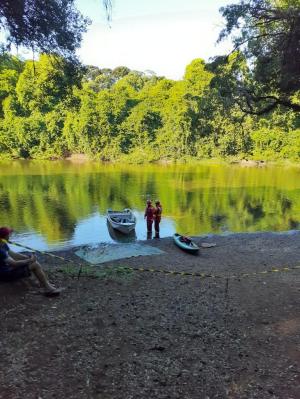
{"x":16,"y":263}
{"x":17,"y":256}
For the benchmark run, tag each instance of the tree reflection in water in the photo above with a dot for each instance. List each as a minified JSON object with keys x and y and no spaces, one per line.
{"x":52,"y":198}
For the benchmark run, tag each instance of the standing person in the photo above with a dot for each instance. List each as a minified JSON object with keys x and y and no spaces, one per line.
{"x":14,"y":266}
{"x":149,"y":216}
{"x":157,"y":217}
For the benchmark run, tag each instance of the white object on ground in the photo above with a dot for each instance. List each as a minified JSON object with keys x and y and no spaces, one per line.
{"x":107,"y":253}
{"x":207,"y":244}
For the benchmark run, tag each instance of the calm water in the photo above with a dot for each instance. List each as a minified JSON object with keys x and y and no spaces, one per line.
{"x":57,"y":204}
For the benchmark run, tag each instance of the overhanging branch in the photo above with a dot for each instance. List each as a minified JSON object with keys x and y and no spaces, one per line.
{"x":254,"y":106}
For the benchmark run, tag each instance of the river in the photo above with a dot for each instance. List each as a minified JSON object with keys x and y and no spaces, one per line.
{"x":58,"y":204}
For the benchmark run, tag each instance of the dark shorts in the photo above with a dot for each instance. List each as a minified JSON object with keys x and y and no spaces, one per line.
{"x":15,"y":274}
{"x":149,"y":225}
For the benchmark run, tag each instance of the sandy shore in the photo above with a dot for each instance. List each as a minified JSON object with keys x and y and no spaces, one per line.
{"x":144,"y":335}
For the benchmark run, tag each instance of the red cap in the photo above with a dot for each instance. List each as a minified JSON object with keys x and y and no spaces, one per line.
{"x":5,"y":232}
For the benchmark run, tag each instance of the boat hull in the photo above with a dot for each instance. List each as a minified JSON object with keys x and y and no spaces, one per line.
{"x":120,"y":237}
{"x":122,"y":221}
{"x":123,"y":229}
{"x":190,"y":246}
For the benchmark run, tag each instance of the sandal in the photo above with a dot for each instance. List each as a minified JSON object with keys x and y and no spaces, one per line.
{"x":53,"y":293}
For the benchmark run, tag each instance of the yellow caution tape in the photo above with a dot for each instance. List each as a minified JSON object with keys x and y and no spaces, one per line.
{"x":171,"y":272}
{"x":213,"y":276}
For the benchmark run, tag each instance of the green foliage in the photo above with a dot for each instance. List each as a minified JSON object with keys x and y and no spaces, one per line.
{"x":267,"y":32}
{"x":44,"y":84}
{"x":44,"y":26}
{"x":276,"y":144}
{"x":50,"y":109}
{"x":197,"y":77}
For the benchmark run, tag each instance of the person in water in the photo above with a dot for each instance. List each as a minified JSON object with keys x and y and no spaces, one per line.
{"x":15,"y":266}
{"x":149,"y":216}
{"x":157,"y":217}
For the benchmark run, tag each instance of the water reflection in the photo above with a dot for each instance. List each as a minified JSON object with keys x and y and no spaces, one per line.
{"x":119,"y":237}
{"x":60,"y":203}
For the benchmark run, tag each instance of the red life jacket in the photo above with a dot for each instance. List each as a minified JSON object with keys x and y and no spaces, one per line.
{"x":149,"y":212}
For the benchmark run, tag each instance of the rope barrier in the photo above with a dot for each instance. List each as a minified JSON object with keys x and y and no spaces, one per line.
{"x":171,"y":272}
{"x":213,"y":276}
{"x":50,"y":255}
{"x":36,"y":250}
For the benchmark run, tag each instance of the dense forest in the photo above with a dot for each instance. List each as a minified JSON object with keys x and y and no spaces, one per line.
{"x":242,"y":105}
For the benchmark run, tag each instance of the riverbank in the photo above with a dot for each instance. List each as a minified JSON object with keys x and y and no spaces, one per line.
{"x":153,"y":335}
{"x":188,"y":160}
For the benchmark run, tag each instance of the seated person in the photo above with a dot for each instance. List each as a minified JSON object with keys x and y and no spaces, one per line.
{"x":14,"y":266}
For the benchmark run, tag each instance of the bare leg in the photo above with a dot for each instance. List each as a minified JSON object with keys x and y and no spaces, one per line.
{"x":37,"y":270}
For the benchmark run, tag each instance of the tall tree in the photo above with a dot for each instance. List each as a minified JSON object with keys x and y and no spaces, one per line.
{"x":267,"y":32}
{"x":54,"y":26}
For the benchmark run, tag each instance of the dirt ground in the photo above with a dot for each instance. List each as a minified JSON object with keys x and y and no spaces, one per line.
{"x":141,"y":335}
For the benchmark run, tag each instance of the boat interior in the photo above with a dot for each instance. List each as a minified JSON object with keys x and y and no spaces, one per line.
{"x":122,"y":218}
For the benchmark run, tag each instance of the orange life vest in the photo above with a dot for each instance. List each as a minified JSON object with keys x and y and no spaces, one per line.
{"x":158,"y":212}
